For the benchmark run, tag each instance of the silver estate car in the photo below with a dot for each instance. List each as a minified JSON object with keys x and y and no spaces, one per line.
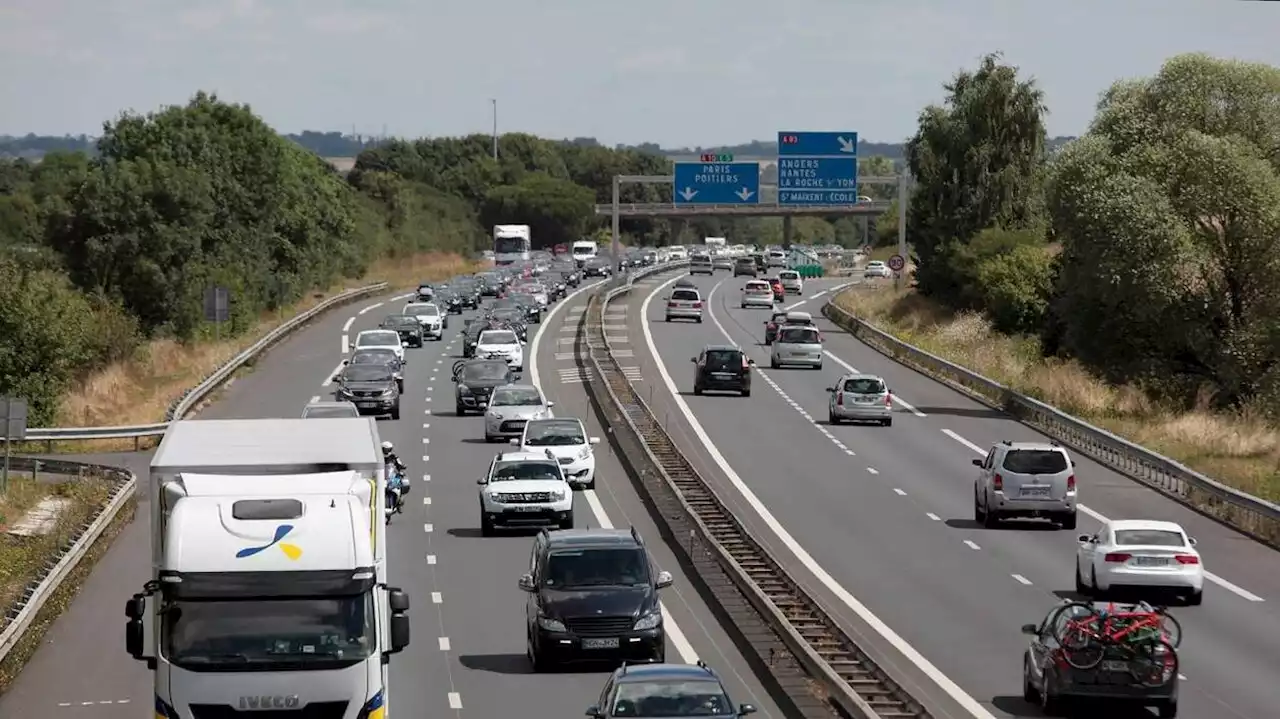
{"x":860,"y":398}
{"x":797,"y":345}
{"x":510,"y":408}
{"x":1025,"y":479}
{"x":684,"y":303}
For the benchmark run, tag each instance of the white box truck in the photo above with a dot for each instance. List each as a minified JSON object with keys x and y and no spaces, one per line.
{"x":269,"y":571}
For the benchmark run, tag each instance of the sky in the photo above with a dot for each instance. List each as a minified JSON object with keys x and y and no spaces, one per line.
{"x":680,"y":73}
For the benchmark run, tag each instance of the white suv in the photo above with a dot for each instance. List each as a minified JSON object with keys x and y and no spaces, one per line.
{"x":1025,"y":479}
{"x":567,"y":439}
{"x":524,"y":489}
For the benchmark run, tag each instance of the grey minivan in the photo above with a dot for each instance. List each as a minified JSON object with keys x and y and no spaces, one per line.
{"x":797,"y":345}
{"x":1025,"y":479}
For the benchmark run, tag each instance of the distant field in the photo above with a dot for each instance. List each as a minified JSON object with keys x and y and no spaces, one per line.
{"x":342,"y":164}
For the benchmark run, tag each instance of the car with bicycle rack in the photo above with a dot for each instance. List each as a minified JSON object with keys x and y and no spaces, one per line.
{"x":1105,"y":652}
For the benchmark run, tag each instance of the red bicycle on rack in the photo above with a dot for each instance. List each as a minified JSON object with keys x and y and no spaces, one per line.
{"x":1143,"y":639}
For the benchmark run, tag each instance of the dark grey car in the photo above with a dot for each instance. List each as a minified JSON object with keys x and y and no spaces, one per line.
{"x":475,"y":380}
{"x":372,"y":388}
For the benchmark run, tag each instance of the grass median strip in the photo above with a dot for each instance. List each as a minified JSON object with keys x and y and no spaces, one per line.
{"x":1240,"y":449}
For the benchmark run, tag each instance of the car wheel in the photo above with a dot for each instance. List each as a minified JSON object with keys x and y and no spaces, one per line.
{"x":1194,"y":599}
{"x":1029,"y":693}
{"x":887,"y":422}
{"x":488,"y":438}
{"x":979,"y":516}
{"x":486,"y":526}
{"x":1068,"y":521}
{"x":567,"y":522}
{"x":773,"y":364}
{"x":400,"y":386}
{"x":818,"y":366}
{"x":746,"y":392}
{"x":832,"y":418}
{"x":660,"y":654}
{"x":460,"y":410}
{"x":699,"y":320}
{"x":395,"y":412}
{"x":697,"y":390}
{"x":991,"y":519}
{"x":668,"y":318}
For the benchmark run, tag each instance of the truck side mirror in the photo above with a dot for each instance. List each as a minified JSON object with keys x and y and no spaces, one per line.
{"x":399,"y":632}
{"x":977,"y":462}
{"x":397,"y":599}
{"x":134,"y":631}
{"x":136,"y":607}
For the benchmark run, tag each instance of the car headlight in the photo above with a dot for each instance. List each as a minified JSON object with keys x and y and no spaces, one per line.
{"x":388,"y":392}
{"x":585,"y":453}
{"x":551,"y":625}
{"x":648,"y":621}
{"x":557,"y":495}
{"x":495,"y":415}
{"x":463,"y":389}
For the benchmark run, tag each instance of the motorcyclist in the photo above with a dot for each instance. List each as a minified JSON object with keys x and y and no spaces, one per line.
{"x":395,"y":477}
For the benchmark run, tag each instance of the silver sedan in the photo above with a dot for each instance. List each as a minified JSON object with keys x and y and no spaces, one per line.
{"x":511,"y":407}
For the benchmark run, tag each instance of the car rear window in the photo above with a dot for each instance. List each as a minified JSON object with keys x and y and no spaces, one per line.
{"x":789,"y":275}
{"x":721,"y":360}
{"x":758,"y":287}
{"x":686,"y":295}
{"x":798,"y":335}
{"x":1154,"y":537}
{"x":864,"y":386}
{"x":1035,"y":461}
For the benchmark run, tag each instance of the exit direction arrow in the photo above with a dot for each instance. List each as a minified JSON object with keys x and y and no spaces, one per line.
{"x":716,"y":183}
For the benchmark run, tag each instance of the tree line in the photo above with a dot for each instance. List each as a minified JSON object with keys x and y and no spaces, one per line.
{"x":1147,"y":248}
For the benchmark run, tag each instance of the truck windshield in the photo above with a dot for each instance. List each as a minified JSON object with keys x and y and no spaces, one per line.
{"x":268,"y":634}
{"x":503,"y":245}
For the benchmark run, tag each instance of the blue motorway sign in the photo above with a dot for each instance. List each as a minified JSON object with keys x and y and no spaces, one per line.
{"x":717,"y":183}
{"x":817,"y":168}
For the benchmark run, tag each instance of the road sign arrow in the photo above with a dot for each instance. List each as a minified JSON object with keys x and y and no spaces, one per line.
{"x":847,"y":145}
{"x":688,"y":193}
{"x":744,"y":194}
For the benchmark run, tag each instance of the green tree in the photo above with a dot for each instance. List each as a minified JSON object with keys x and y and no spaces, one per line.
{"x":556,"y":210}
{"x":1168,"y":212}
{"x":977,"y":162}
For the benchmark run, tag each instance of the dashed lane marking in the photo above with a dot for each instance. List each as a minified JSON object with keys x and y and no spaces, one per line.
{"x":1021,"y":579}
{"x":100,"y":702}
{"x":328,"y":380}
{"x":428,"y":528}
{"x":436,"y":598}
{"x":444,"y":644}
{"x":347,"y":326}
{"x":431,"y":559}
{"x":426,"y":501}
{"x":872,"y":470}
{"x":314,"y":398}
{"x":455,"y":700}
{"x":933,"y":516}
{"x":899,"y":492}
{"x":371,"y":307}
{"x":971,"y":544}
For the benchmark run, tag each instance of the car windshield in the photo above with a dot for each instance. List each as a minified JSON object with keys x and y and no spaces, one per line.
{"x":554,"y":433}
{"x":1035,"y":461}
{"x":724,"y":360}
{"x":516,"y":397}
{"x":421,"y":310}
{"x":596,"y":567}
{"x":790,"y":275}
{"x":1151,"y":537}
{"x":377,"y":339}
{"x":509,"y":471}
{"x":507,"y":314}
{"x":671,"y":698}
{"x":248,"y":634}
{"x":397,"y":320}
{"x":484,"y":371}
{"x":328,"y":411}
{"x":864,"y":385}
{"x":498,"y":337}
{"x":367,"y":373}
{"x":758,"y":288}
{"x":798,"y":335}
{"x":685,"y":295}
{"x":380,"y":357}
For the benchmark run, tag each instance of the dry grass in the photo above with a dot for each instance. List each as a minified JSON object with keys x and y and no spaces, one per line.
{"x":1240,"y":450}
{"x":140,"y":391}
{"x":22,"y":558}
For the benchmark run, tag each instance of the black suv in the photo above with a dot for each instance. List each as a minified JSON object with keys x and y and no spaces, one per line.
{"x":593,"y":595}
{"x":721,"y":368}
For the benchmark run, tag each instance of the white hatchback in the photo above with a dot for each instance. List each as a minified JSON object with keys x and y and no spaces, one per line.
{"x":567,"y":439}
{"x":380,"y":339}
{"x":791,"y":282}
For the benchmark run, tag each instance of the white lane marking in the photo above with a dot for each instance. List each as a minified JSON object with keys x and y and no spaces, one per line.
{"x":426,"y":500}
{"x":933,"y":516}
{"x":426,"y":440}
{"x":347,"y":326}
{"x":346,"y":344}
{"x":444,"y":644}
{"x":675,"y":634}
{"x":1021,"y":579}
{"x":872,"y":470}
{"x":428,"y":528}
{"x":403,"y":297}
{"x":455,"y":700}
{"x":431,"y":559}
{"x":436,"y":598}
{"x":426,"y":478}
{"x":329,"y":379}
{"x":371,"y":307}
{"x":426,"y":425}
{"x":944,"y":682}
{"x":314,"y":398}
{"x":971,"y":544}
{"x":1101,"y":518}
{"x":896,"y":399}
{"x":426,"y":458}
{"x":899,"y":492}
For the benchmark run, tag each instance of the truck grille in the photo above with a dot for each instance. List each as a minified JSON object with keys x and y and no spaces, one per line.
{"x":525,"y":497}
{"x":314,"y":710}
{"x":599,"y":626}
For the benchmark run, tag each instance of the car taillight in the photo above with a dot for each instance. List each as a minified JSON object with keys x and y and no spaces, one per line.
{"x":888,"y":400}
{"x":1187,"y":559}
{"x":697,"y":305}
{"x":1117,"y":557}
{"x":673,"y":303}
{"x":773,"y":326}
{"x":840,"y":398}
{"x":997,"y":483}
{"x":1071,"y":483}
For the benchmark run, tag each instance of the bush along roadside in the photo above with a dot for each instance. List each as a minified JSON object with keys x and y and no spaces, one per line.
{"x":1219,"y":446}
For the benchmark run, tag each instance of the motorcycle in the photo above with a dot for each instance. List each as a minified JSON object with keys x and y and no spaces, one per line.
{"x":397,"y":488}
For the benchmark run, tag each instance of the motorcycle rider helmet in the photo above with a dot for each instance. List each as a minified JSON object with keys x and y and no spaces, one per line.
{"x":387,"y":449}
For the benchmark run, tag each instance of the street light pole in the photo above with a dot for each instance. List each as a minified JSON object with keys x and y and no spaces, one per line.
{"x":494,"y":101}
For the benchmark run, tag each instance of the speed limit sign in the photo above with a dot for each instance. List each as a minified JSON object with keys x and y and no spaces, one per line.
{"x":897,"y":262}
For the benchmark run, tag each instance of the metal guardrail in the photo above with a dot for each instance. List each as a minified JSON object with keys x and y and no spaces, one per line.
{"x":19,"y":616}
{"x":192,"y":397}
{"x":1252,"y":515}
{"x":814,"y":661}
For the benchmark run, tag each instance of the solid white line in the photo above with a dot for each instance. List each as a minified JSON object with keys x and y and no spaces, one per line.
{"x":328,"y":380}
{"x":455,"y":700}
{"x":964,"y":441}
{"x":1021,"y":579}
{"x":371,"y":307}
{"x":444,"y":644}
{"x":933,"y":516}
{"x":909,"y":652}
{"x":971,"y":544}
{"x":675,"y":634}
{"x":314,"y":398}
{"x":436,"y":598}
{"x":347,"y":326}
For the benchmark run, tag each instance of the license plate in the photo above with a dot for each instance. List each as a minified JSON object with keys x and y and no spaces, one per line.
{"x":366,"y":404}
{"x":600,"y":643}
{"x":1112,"y":665}
{"x":526,"y":508}
{"x":866,"y":400}
{"x":722,"y":375}
{"x":1151,"y":561}
{"x":1035,"y":491}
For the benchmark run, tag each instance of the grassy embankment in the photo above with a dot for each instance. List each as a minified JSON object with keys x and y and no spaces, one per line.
{"x":1238,"y":449}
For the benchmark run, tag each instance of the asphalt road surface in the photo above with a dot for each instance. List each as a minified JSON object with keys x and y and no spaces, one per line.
{"x":467,"y":658}
{"x":880,"y":518}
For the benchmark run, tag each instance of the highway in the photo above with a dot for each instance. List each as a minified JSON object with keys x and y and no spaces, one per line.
{"x":880,"y":518}
{"x":467,"y":657}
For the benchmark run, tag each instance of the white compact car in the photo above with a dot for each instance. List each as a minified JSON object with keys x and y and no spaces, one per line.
{"x":791,"y":282}
{"x":757,"y":293}
{"x":567,"y":440}
{"x":1140,"y":554}
{"x":501,"y":343}
{"x":524,"y":489}
{"x":876,"y":268}
{"x":433,"y":321}
{"x":380,"y":339}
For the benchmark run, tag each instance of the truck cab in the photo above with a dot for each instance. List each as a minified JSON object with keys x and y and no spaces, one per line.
{"x":269,"y":585}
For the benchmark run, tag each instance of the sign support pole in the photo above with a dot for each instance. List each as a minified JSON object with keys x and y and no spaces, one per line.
{"x":902,"y":228}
